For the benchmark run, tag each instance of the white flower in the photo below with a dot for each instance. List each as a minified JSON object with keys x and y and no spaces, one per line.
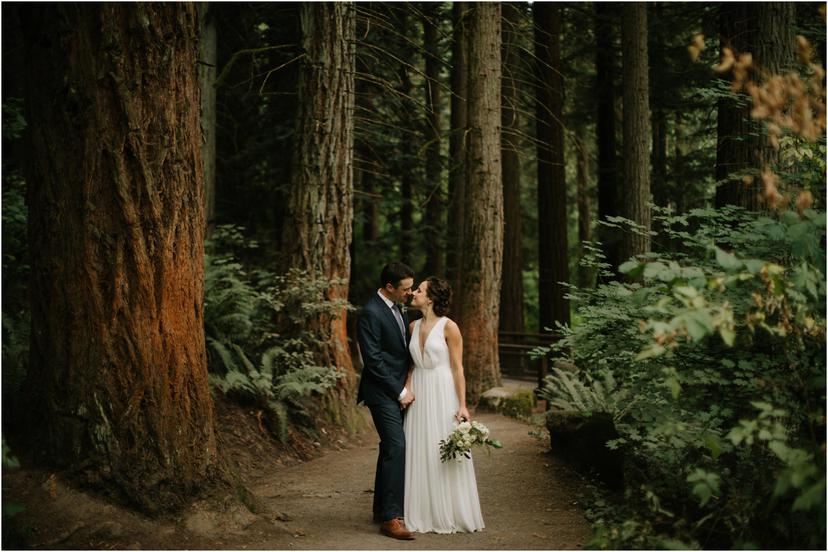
{"x":464,"y":427}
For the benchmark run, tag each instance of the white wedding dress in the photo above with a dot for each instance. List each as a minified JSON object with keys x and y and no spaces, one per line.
{"x":439,"y":498}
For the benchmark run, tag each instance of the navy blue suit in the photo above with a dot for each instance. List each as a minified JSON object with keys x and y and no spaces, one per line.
{"x":385,"y":361}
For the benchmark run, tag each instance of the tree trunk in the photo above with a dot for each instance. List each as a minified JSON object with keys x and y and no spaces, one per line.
{"x":553,"y":245}
{"x":370,"y":222}
{"x":434,"y":227}
{"x":608,"y":183}
{"x":681,"y":150}
{"x":479,"y":292}
{"x":733,"y":147}
{"x":118,"y":368}
{"x":511,"y":291}
{"x":662,"y":196}
{"x":637,"y":136}
{"x":208,"y":57}
{"x":317,"y":230}
{"x":585,"y":274}
{"x":457,"y":141}
{"x":407,"y":183}
{"x":774,"y":53}
{"x":766,"y":30}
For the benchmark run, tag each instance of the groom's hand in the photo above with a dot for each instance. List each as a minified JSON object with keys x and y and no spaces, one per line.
{"x":407,"y":400}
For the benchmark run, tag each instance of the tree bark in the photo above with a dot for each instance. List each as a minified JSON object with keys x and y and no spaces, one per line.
{"x":637,"y":136}
{"x":457,"y":141}
{"x":479,"y":293}
{"x":608,"y":183}
{"x":511,"y":291}
{"x":766,"y":30}
{"x":553,"y":244}
{"x":118,"y":368}
{"x":407,"y":184}
{"x":318,"y":225}
{"x":681,"y":150}
{"x":662,"y":196}
{"x":434,"y":227}
{"x":585,"y":274}
{"x":208,"y":58}
{"x":733,"y":147}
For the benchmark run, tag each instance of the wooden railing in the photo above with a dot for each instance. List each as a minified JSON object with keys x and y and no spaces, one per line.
{"x":515,"y":361}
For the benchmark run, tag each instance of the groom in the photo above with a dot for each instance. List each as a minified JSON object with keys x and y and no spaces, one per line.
{"x":383,"y":342}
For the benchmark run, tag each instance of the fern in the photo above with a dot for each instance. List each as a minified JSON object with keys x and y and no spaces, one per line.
{"x":277,"y":373}
{"x":566,"y":391}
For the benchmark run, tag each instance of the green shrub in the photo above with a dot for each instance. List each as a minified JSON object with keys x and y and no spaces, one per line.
{"x":717,"y":354}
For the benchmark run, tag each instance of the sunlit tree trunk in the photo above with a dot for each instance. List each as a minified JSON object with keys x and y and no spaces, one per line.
{"x":318,"y":225}
{"x":553,"y":245}
{"x":511,"y":291}
{"x":118,"y":368}
{"x":637,"y":135}
{"x":479,"y":291}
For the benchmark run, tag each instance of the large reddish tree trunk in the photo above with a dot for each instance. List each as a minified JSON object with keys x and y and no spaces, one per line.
{"x":553,"y":258}
{"x":318,"y":226}
{"x":479,"y":292}
{"x":118,"y":369}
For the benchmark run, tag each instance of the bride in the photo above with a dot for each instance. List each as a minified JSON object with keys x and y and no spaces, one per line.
{"x":439,"y":497}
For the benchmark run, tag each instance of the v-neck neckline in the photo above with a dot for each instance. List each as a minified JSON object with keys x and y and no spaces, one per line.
{"x":423,"y":342}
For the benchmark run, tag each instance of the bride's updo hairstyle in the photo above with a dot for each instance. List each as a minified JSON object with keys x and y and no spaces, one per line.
{"x":439,"y":291}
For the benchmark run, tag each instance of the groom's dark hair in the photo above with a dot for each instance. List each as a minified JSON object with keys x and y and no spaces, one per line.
{"x":394,"y":273}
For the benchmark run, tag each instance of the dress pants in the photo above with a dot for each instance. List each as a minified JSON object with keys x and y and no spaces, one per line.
{"x":389,"y":484}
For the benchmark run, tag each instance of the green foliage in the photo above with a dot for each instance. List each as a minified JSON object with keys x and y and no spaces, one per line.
{"x":566,"y":391}
{"x":10,"y":509}
{"x":717,"y":354}
{"x":519,"y":405}
{"x":250,"y":362}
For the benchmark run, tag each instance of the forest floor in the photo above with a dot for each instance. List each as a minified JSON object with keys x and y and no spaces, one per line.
{"x":318,"y":498}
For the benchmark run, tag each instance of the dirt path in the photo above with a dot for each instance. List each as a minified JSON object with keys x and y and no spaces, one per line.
{"x":527,"y":497}
{"x":528,"y":500}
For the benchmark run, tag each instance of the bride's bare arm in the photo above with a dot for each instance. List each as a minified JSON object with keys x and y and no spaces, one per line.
{"x":454,"y":340}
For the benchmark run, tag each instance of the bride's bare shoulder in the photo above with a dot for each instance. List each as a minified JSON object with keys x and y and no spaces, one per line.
{"x":451,"y":326}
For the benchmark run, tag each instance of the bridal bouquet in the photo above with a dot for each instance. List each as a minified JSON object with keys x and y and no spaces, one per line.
{"x":463,"y":438}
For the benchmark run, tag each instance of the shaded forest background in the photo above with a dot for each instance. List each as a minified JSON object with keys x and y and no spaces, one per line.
{"x":645,"y":182}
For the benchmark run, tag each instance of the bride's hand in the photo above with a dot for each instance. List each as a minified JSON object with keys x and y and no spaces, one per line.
{"x":463,"y":415}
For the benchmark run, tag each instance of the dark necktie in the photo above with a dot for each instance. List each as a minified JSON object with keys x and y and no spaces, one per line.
{"x":399,"y":318}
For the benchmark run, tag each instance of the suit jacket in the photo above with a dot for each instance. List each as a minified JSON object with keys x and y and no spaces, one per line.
{"x":385,"y":356}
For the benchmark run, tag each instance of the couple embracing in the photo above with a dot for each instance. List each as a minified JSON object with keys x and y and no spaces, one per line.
{"x":413,"y":384}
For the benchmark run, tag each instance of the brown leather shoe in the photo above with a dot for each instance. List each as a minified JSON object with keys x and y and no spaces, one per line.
{"x":396,"y":529}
